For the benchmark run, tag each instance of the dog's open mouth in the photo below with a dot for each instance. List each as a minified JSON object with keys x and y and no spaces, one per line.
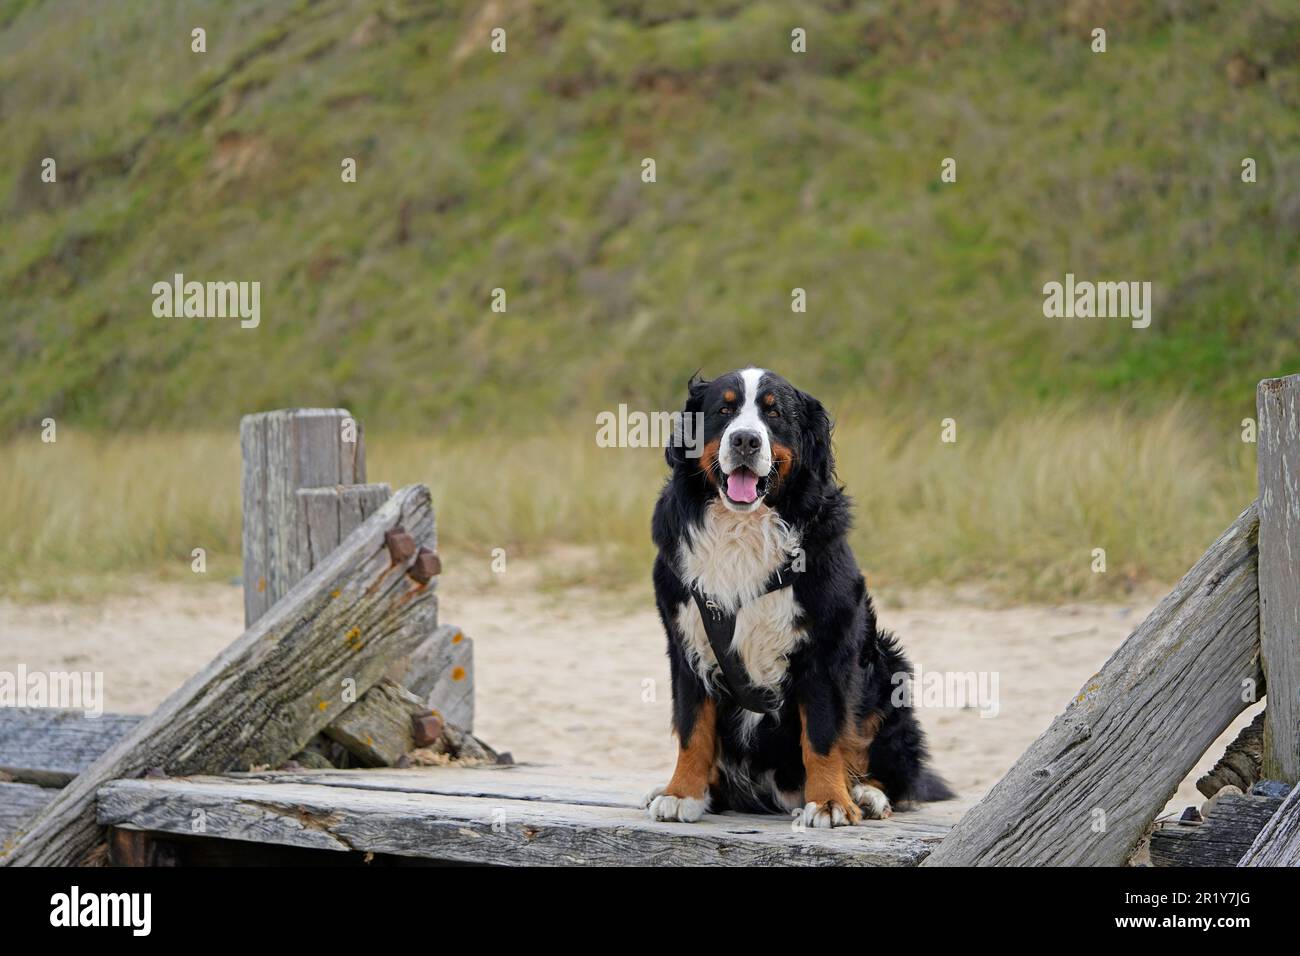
{"x":744,"y":487}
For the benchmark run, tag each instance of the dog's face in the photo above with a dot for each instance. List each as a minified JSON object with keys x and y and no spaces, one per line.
{"x":760,"y":433}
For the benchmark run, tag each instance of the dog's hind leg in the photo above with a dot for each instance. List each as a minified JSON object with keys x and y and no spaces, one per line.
{"x":827,"y":764}
{"x":867,"y":792}
{"x":869,"y":795}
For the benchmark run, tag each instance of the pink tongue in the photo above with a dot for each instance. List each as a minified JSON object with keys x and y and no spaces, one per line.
{"x":742,"y":486}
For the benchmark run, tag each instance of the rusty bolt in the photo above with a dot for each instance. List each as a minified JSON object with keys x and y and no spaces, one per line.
{"x":400,"y":544}
{"x":426,"y":565}
{"x":426,"y":728}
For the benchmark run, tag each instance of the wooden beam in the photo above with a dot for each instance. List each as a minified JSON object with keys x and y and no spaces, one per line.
{"x":1278,"y":844}
{"x":1240,"y":764}
{"x":1219,"y":840}
{"x":377,"y":729}
{"x":283,"y":451}
{"x":1279,"y":572}
{"x":584,"y":786}
{"x":19,"y":803}
{"x":137,"y":848}
{"x":1087,"y":790}
{"x":48,"y":746}
{"x":441,"y":671}
{"x":264,"y":697}
{"x":145,"y":848}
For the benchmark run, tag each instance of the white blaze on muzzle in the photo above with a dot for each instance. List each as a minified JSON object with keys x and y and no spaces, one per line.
{"x":737,"y":449}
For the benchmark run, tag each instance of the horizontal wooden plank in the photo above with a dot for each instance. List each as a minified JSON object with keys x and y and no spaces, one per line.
{"x":514,"y":782}
{"x":490,"y":830}
{"x":19,"y":802}
{"x":1220,"y":840}
{"x":578,"y":786}
{"x":48,"y":746}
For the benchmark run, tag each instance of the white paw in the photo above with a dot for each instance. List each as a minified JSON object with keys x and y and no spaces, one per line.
{"x":872,"y":800}
{"x":829,"y":814}
{"x":662,"y":806}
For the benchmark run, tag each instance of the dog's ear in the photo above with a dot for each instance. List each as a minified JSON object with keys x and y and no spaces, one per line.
{"x":688,"y":431}
{"x":816,"y":451}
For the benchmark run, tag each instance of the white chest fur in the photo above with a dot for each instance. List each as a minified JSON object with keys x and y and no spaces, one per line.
{"x":730,"y":558}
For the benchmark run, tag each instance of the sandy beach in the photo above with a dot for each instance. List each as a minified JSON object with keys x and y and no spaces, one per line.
{"x":578,"y":676}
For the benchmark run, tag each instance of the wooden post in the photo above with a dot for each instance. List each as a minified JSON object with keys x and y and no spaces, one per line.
{"x":1279,"y":572}
{"x":328,"y":515}
{"x":283,"y":451}
{"x":1086,"y":791}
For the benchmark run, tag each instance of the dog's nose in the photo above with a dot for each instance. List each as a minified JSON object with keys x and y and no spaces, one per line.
{"x":746,"y":442}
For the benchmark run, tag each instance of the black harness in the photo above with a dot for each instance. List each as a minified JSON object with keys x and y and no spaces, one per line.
{"x":721,"y":629}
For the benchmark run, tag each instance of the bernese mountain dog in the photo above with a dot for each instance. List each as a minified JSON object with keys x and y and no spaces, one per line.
{"x":783,"y":686}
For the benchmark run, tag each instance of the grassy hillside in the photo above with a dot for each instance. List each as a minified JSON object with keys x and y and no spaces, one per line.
{"x":521,"y":171}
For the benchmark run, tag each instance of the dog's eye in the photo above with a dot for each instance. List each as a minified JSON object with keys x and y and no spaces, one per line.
{"x":773,"y":413}
{"x":724,"y":410}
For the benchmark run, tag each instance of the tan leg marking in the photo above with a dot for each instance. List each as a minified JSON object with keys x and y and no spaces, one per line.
{"x":826,"y":780}
{"x":697,"y":757}
{"x":868,"y":792}
{"x":686,"y":798}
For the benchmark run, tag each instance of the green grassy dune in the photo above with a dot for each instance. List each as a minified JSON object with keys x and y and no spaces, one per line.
{"x":522,"y":171}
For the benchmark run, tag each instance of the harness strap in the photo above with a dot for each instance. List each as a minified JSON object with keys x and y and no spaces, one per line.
{"x":720,"y":627}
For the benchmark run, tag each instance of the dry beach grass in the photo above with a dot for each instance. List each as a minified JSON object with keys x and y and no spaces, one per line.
{"x":1016,"y":508}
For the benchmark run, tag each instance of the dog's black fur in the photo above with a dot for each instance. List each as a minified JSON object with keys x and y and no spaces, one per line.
{"x":845,"y":670}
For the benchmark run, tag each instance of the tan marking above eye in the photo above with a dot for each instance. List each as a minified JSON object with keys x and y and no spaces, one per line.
{"x":769,"y":399}
{"x":728,"y":396}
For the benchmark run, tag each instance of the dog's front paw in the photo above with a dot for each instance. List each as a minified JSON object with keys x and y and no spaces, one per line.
{"x":872,"y":800}
{"x":830,"y":813}
{"x":666,"y":806}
